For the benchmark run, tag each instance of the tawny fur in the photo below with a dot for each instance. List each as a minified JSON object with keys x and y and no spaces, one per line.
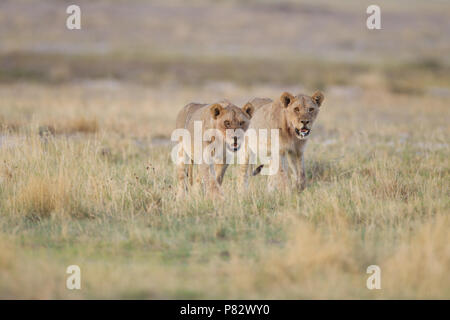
{"x":285,"y":114}
{"x":212,"y":116}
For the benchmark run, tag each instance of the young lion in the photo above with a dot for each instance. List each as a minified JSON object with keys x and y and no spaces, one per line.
{"x":294,"y":117}
{"x":222,"y":116}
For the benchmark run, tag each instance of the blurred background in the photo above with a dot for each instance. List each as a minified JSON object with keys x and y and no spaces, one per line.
{"x":100,"y":194}
{"x":309,"y":43}
{"x":135,"y":63}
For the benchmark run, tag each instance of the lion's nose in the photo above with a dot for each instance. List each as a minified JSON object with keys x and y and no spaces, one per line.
{"x":305,"y":122}
{"x":235,"y":140}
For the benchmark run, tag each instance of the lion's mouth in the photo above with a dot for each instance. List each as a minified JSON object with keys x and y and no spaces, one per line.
{"x":303,"y":132}
{"x":233,"y":148}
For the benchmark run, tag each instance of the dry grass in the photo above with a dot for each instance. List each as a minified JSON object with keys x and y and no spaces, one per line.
{"x":10,"y":125}
{"x":38,"y":198}
{"x":72,"y":126}
{"x":85,"y":170}
{"x":378,"y":194}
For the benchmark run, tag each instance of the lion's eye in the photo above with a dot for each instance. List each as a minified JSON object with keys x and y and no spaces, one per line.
{"x":311,"y":109}
{"x":242,"y":123}
{"x":296,"y":109}
{"x":227,"y":123}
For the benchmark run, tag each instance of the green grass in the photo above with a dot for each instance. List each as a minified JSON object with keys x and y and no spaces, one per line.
{"x":81,"y":181}
{"x":119,"y":221}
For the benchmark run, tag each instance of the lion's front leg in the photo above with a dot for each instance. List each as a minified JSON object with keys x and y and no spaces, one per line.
{"x":220,"y":169}
{"x":244,"y":168}
{"x":292,"y":161}
{"x":208,"y":177}
{"x":301,"y":174}
{"x":280,"y":179}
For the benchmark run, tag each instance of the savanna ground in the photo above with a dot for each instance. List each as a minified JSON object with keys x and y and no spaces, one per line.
{"x":86,"y":176}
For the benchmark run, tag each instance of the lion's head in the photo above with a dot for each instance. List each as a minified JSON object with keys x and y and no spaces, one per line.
{"x":232,"y":122}
{"x":301,"y":112}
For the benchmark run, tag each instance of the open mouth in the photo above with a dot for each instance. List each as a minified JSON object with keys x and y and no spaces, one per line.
{"x":303,"y":132}
{"x":233,"y":148}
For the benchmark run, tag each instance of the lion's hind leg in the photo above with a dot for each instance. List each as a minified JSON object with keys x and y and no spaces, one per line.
{"x":190,"y":173}
{"x":182,"y":173}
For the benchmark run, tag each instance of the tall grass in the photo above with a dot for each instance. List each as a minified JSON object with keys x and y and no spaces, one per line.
{"x":377,"y":194}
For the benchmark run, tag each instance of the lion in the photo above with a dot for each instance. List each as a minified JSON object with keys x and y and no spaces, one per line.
{"x":294,"y":116}
{"x":223,"y":116}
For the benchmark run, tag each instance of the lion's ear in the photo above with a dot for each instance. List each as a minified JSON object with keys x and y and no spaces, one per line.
{"x":249,"y":109}
{"x":286,"y":98}
{"x":216,"y":110}
{"x":318,"y":98}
